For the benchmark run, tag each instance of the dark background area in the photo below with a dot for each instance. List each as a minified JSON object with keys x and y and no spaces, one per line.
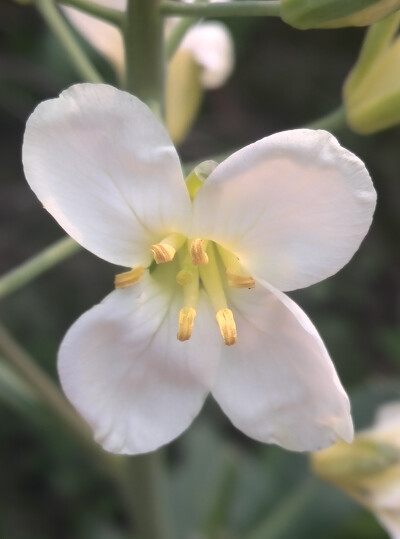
{"x":283,"y":79}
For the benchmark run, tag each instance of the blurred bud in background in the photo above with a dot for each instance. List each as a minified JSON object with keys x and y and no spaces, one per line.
{"x":204,"y":60}
{"x":305,"y":14}
{"x":372,"y":90}
{"x":369,"y":469}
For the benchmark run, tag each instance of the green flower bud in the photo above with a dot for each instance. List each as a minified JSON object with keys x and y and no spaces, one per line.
{"x":306,"y":14}
{"x":371,"y":92}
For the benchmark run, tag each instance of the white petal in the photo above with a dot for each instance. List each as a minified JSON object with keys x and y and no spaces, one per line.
{"x":122,"y":367}
{"x":294,"y":207}
{"x":212,"y":47}
{"x":277,"y":383}
{"x":103,"y":36}
{"x":391,"y":521}
{"x":106,"y":169}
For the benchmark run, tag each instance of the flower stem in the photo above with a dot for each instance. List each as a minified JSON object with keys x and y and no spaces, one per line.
{"x":144,"y":54}
{"x":135,"y":487}
{"x":107,"y":14}
{"x":42,"y":384}
{"x":38,"y":264}
{"x":60,"y":28}
{"x":258,"y":8}
{"x":276,"y":525}
{"x":175,"y":37}
{"x":149,"y":491}
{"x":334,"y":121}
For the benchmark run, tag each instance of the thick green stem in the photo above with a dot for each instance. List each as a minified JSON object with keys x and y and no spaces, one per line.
{"x":144,"y":54}
{"x":258,"y":8}
{"x":107,"y":14}
{"x":334,"y":121}
{"x":149,"y":489}
{"x":60,"y":28}
{"x":38,"y":264}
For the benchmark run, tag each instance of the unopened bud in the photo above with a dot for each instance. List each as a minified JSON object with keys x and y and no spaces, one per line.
{"x":305,"y":14}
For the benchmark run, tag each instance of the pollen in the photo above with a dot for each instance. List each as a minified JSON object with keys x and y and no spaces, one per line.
{"x":128,"y":278}
{"x":163,"y":252}
{"x":227,"y":326}
{"x":198,"y":252}
{"x":186,"y":323}
{"x":240,"y":281}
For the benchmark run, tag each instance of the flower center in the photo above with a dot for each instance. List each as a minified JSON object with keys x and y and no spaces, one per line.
{"x":201,"y":264}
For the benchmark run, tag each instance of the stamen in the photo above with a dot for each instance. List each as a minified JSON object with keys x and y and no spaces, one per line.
{"x":227,"y":326}
{"x":128,"y":278}
{"x":240,"y":281}
{"x":186,"y":323}
{"x":165,"y":250}
{"x":198,"y":252}
{"x":236,"y":276}
{"x":163,"y":253}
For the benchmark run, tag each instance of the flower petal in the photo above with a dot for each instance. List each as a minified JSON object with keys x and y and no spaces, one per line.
{"x":212,"y":48}
{"x":106,"y":169}
{"x":294,"y":207}
{"x":277,"y":383}
{"x":124,"y":370}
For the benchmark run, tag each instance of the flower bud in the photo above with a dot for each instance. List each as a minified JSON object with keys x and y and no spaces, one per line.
{"x":335,"y":13}
{"x":369,"y":469}
{"x":371,"y":92}
{"x":183,"y":94}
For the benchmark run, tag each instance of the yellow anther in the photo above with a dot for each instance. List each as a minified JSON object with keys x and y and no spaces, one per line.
{"x":236,"y":275}
{"x":163,"y":252}
{"x":240,"y":281}
{"x":128,"y":278}
{"x":227,"y":326}
{"x":186,"y":323}
{"x":184,"y":277}
{"x":198,"y":252}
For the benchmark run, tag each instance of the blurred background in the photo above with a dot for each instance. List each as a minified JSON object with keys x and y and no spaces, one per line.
{"x":219,"y":483}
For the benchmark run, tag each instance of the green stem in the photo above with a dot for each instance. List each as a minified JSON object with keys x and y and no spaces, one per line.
{"x":38,"y":264}
{"x":177,"y":34}
{"x":62,"y":31}
{"x":258,"y":8}
{"x":42,"y":384}
{"x":144,"y":54}
{"x":276,"y":525}
{"x":50,"y":395}
{"x":107,"y":14}
{"x":149,"y":491}
{"x":334,"y":121}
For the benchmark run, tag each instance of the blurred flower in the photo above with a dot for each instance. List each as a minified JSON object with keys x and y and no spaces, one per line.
{"x":369,"y":469}
{"x":280,"y":214}
{"x":306,"y":14}
{"x":204,"y":60}
{"x":372,"y":90}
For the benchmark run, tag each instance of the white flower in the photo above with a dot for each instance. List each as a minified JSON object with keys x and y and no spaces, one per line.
{"x":280,"y":214}
{"x":209,"y":43}
{"x":369,"y":470}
